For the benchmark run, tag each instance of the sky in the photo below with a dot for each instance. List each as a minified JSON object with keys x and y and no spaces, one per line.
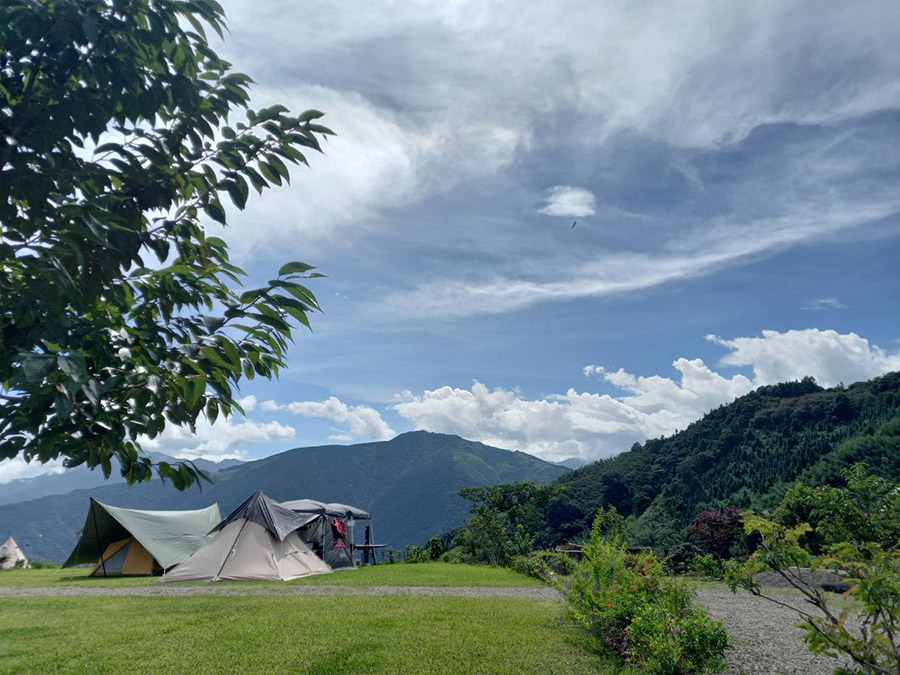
{"x":567,"y":227}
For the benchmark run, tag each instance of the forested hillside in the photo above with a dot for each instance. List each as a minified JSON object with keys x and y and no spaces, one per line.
{"x":745,"y":453}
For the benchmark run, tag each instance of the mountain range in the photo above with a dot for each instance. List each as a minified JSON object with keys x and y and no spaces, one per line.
{"x":409,"y":484}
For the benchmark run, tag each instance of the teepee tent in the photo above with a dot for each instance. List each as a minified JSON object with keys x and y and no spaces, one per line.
{"x":130,"y":541}
{"x":11,"y":555}
{"x":257,"y":541}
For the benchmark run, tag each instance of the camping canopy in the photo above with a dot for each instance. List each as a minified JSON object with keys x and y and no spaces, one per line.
{"x":334,"y":509}
{"x":11,"y":555}
{"x":258,"y":540}
{"x":168,"y":536}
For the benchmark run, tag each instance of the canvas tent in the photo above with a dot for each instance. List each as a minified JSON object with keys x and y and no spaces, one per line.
{"x":259,"y":540}
{"x":11,"y":555}
{"x":331,"y":533}
{"x":130,"y":541}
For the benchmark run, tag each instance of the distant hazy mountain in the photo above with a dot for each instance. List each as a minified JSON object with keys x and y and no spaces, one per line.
{"x":409,"y":484}
{"x":572,"y":463}
{"x":82,"y":478}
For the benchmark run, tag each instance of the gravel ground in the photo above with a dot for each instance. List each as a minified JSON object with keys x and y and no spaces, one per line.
{"x":527,"y":593}
{"x":765,"y":639}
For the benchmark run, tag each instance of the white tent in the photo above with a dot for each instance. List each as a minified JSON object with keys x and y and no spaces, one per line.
{"x":11,"y":555}
{"x":259,"y":541}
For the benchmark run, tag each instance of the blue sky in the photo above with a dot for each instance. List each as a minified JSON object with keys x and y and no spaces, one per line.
{"x":733,"y":169}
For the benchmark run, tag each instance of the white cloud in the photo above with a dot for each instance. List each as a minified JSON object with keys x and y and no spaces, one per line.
{"x":13,"y":469}
{"x":248,"y":403}
{"x":827,"y":355}
{"x":362,"y":422}
{"x":417,"y":109}
{"x":825,"y":303}
{"x":568,"y":201}
{"x":223,"y":440}
{"x":707,"y":249}
{"x":592,"y":426}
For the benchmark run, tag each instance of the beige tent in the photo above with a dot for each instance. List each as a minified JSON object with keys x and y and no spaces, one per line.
{"x":258,"y":541}
{"x":11,"y":555}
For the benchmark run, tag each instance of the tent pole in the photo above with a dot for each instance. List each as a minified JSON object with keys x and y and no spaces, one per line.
{"x":224,"y":562}
{"x":97,"y":532}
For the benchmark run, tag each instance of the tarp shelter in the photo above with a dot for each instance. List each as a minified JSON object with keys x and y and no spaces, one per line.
{"x":131,"y":541}
{"x":331,"y":534}
{"x":11,"y":555}
{"x":259,"y":540}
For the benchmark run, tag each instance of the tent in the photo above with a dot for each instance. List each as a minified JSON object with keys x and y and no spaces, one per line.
{"x":259,"y":540}
{"x":11,"y":555}
{"x":329,"y":534}
{"x":129,"y":541}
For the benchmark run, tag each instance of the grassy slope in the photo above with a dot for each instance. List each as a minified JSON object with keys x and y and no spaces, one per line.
{"x":426,"y":574}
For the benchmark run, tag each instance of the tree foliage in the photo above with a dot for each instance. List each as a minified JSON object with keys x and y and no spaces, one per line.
{"x":862,"y":540}
{"x":715,"y":531}
{"x":746,"y":453}
{"x":123,"y":135}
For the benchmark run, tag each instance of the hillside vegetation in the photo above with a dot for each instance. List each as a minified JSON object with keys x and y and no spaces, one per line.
{"x":409,"y":484}
{"x":745,"y":454}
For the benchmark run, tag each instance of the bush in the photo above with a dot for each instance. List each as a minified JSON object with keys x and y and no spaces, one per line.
{"x":860,"y":526}
{"x":635,"y":611}
{"x":708,"y":566}
{"x":43,"y":565}
{"x":435,"y":548}
{"x":543,"y":564}
{"x":415,"y":554}
{"x":680,"y":557}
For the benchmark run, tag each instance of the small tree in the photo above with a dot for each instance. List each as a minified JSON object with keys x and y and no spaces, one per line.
{"x":864,"y":550}
{"x":119,"y":313}
{"x":716,"y":531}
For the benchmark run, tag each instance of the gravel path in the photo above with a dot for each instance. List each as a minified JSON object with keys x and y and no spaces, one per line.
{"x":527,"y":593}
{"x":765,"y":639}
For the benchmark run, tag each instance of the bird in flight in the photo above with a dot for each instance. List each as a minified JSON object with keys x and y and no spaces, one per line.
{"x":575,"y":223}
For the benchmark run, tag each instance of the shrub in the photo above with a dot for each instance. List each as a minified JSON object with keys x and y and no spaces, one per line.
{"x":865,"y":550}
{"x":635,"y":611}
{"x":435,"y":548}
{"x":415,"y":554}
{"x":680,"y":557}
{"x":716,"y":531}
{"x":707,"y":565}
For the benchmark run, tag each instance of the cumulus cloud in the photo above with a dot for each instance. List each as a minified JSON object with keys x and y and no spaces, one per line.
{"x":13,"y":469}
{"x":359,"y":421}
{"x":827,"y":355}
{"x":593,"y":426}
{"x":565,"y":200}
{"x":225,"y":439}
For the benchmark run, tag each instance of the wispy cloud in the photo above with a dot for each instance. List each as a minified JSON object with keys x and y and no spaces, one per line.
{"x":824,"y":303}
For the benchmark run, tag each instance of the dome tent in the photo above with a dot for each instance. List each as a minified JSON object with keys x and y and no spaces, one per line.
{"x":328,"y":533}
{"x":257,"y":541}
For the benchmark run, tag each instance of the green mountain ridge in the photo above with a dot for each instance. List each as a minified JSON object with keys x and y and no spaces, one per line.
{"x":409,"y":484}
{"x":744,"y":453}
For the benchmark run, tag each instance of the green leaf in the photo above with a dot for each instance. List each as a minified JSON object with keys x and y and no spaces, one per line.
{"x":294,"y":268}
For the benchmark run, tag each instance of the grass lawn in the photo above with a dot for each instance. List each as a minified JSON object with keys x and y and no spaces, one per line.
{"x":422,"y":574}
{"x":315,"y":635}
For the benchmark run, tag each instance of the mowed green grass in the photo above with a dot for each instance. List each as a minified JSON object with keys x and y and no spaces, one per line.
{"x":298,"y":634}
{"x":398,"y":574}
